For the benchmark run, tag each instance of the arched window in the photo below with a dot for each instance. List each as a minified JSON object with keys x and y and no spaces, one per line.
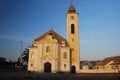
{"x":64,"y":55}
{"x":72,"y":29}
{"x":48,"y":49}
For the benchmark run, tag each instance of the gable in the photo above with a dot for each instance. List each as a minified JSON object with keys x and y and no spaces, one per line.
{"x":52,"y":36}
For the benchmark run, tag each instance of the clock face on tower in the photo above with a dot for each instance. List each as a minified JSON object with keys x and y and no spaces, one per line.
{"x":71,"y":17}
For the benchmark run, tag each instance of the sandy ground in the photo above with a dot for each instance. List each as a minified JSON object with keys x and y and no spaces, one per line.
{"x":23,"y":75}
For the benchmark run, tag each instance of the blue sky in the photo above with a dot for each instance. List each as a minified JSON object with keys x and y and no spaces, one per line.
{"x":24,"y":20}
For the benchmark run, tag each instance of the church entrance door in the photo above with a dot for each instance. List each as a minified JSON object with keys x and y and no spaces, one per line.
{"x":73,"y":69}
{"x":47,"y":67}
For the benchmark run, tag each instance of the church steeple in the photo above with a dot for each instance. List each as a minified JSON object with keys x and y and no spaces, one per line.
{"x":71,"y":9}
{"x":73,"y":37}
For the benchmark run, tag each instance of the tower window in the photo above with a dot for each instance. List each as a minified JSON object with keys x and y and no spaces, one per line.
{"x":72,"y":17}
{"x":65,"y":66}
{"x":48,"y":49}
{"x":72,"y":39}
{"x":72,"y":29}
{"x":32,"y":65}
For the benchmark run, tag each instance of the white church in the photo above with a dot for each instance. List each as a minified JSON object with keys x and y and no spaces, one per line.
{"x":51,"y":53}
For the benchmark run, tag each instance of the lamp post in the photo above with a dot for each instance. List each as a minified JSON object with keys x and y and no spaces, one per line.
{"x":21,"y":44}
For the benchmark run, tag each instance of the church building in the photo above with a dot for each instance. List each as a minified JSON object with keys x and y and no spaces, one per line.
{"x":52,"y":53}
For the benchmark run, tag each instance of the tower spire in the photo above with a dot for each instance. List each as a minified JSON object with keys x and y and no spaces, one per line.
{"x":71,"y":8}
{"x":73,"y":37}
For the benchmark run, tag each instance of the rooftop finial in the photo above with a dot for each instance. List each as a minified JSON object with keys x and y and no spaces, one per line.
{"x":71,"y":2}
{"x":71,"y":8}
{"x":51,"y":28}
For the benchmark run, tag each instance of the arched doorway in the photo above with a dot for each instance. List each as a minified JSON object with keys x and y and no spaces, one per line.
{"x":47,"y":67}
{"x":73,"y":69}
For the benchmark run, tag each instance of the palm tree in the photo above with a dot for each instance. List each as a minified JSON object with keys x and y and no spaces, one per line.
{"x":24,"y":57}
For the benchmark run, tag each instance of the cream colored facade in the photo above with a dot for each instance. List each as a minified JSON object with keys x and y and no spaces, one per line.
{"x":52,"y":53}
{"x":110,"y":63}
{"x":107,"y":65}
{"x":73,"y":36}
{"x":49,"y":49}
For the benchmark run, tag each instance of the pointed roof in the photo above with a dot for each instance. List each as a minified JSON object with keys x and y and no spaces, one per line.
{"x":71,"y":9}
{"x":55,"y":35}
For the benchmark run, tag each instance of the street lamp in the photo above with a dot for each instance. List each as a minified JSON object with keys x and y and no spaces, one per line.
{"x":21,"y":44}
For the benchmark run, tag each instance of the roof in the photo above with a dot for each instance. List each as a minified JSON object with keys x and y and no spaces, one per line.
{"x":116,"y":59}
{"x":88,"y":62}
{"x":71,"y":9}
{"x":55,"y":35}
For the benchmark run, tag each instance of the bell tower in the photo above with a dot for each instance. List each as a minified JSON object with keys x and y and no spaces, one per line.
{"x":73,"y":38}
